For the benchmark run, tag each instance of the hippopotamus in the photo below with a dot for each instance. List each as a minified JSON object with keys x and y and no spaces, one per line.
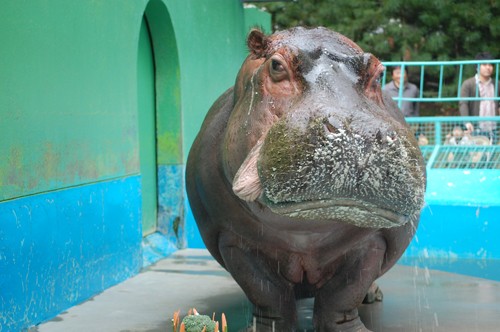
{"x":305,"y":180}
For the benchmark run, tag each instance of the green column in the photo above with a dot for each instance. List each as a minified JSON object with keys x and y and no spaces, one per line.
{"x":147,"y":130}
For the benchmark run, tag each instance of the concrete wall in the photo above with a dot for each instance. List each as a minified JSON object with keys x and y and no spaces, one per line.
{"x":71,"y":181}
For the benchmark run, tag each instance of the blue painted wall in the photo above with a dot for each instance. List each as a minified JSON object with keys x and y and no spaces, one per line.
{"x":461,"y":218}
{"x":460,"y":223}
{"x":171,"y":203}
{"x":58,"y":248}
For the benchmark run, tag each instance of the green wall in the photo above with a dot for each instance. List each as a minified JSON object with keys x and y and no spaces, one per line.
{"x":68,"y":91}
{"x":147,"y":127}
{"x":208,"y":63}
{"x":67,"y":94}
{"x":72,"y":187}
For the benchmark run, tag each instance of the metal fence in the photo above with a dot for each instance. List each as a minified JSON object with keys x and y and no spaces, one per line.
{"x":440,"y":81}
{"x":446,"y":142}
{"x":452,"y":142}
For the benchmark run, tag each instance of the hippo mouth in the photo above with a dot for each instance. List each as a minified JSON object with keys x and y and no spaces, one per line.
{"x":247,"y":186}
{"x":348,"y":210}
{"x":374,"y":197}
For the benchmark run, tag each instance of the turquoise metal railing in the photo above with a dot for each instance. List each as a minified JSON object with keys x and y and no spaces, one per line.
{"x":442,"y":65}
{"x":445,"y":142}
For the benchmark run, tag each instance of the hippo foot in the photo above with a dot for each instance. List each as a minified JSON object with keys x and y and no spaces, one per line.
{"x":345,"y":321}
{"x":374,"y":294}
{"x":268,"y":325}
{"x":354,"y":325}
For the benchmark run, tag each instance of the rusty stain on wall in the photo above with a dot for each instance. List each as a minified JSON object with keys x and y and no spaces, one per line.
{"x":53,"y":166}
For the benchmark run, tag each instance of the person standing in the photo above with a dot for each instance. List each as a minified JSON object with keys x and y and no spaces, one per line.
{"x":410,"y":90}
{"x":408,"y":107}
{"x":481,"y":85}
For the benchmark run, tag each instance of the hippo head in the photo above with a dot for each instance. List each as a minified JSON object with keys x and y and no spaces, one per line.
{"x":311,"y":136}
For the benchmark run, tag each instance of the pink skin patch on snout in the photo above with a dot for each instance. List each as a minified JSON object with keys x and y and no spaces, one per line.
{"x":246,"y":183}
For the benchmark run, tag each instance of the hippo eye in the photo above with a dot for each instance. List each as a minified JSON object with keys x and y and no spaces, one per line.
{"x":276,"y":65}
{"x":277,"y":70}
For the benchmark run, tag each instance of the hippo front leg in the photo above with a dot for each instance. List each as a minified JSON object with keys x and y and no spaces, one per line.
{"x":272,"y":295}
{"x":335,"y":306}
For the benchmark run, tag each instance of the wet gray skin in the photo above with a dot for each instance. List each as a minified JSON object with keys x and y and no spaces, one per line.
{"x":304,"y":180}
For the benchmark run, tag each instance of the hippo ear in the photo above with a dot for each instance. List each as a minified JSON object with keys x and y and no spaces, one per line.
{"x":257,"y":42}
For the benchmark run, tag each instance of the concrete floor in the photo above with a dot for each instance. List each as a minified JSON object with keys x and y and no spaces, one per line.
{"x":415,"y":299}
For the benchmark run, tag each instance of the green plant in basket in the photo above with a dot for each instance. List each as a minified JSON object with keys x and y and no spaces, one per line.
{"x":194,"y":322}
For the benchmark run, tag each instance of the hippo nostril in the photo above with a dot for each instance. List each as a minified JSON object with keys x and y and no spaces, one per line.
{"x":388,"y":137}
{"x":330,"y":128}
{"x":391,"y":134}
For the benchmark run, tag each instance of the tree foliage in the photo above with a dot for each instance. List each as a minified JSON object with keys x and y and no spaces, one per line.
{"x":395,"y":30}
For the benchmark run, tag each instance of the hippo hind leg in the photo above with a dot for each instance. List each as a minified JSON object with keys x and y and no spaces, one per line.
{"x":272,"y":296}
{"x":335,"y":305}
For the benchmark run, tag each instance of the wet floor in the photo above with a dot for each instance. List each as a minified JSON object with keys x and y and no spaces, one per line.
{"x":415,"y":299}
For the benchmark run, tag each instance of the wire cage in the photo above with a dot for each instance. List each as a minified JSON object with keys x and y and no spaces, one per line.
{"x":458,"y":142}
